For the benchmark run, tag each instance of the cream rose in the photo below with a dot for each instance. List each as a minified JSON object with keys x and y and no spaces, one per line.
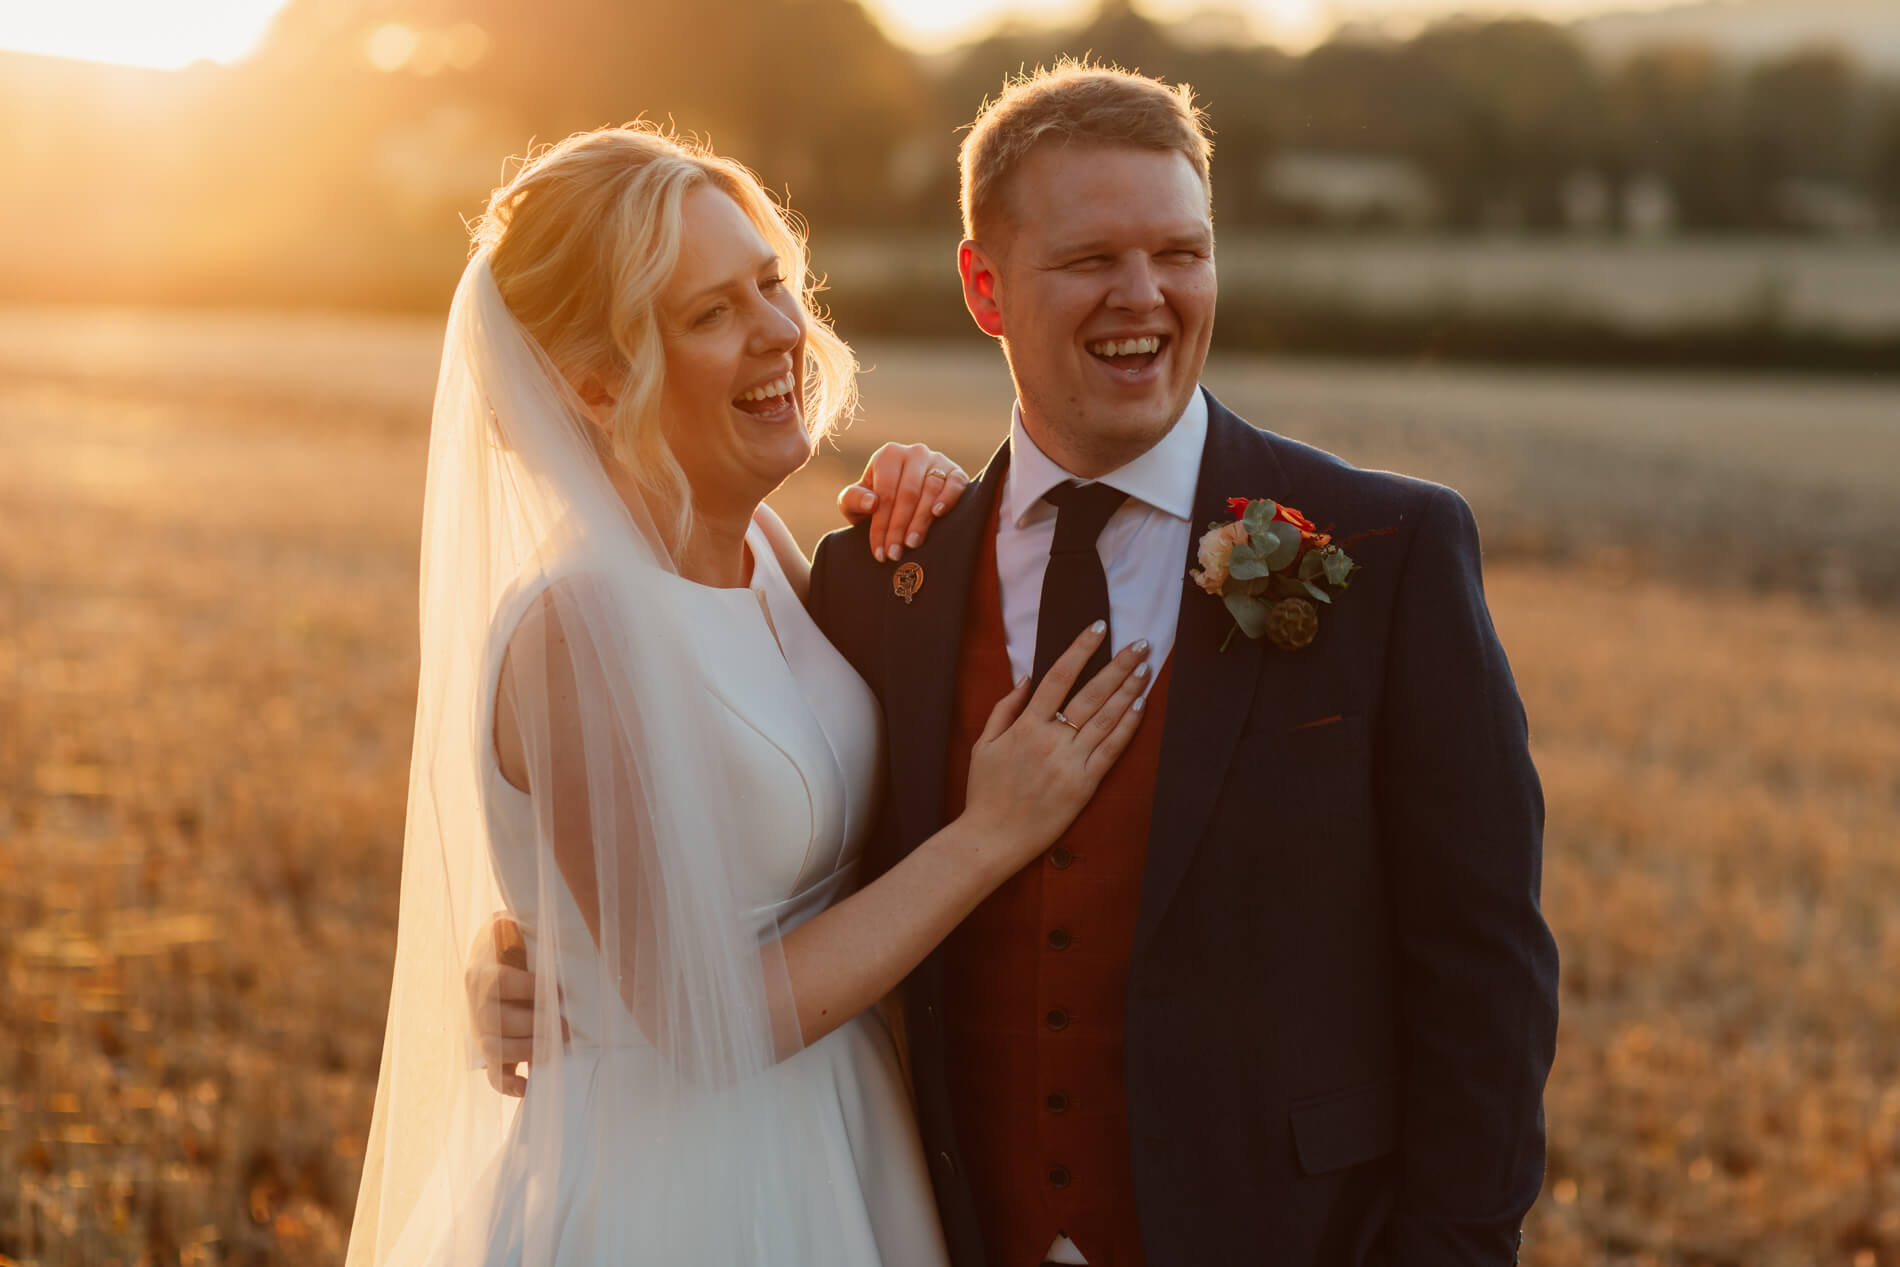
{"x":1217,"y":548}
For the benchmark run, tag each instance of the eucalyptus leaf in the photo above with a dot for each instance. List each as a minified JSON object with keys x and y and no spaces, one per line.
{"x":1285,"y":548}
{"x":1258,"y":515}
{"x":1318,"y":593}
{"x":1246,"y":564}
{"x":1249,"y":613}
{"x":1311,"y":564}
{"x":1338,"y":565}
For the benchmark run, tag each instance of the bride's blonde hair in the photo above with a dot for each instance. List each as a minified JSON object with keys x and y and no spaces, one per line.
{"x":581,"y":243}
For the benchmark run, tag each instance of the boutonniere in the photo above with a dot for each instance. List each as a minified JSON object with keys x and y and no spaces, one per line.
{"x":1272,"y":568}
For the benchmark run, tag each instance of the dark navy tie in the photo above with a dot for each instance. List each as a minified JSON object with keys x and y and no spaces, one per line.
{"x":1075,"y":586}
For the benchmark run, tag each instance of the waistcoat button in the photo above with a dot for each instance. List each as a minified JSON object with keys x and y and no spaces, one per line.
{"x":1058,"y":939}
{"x":1059,"y":1176}
{"x":1058,"y":1019}
{"x":1061,"y":859}
{"x":1057,"y":1102}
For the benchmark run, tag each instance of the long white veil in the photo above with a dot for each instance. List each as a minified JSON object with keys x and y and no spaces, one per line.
{"x":649,"y":1134}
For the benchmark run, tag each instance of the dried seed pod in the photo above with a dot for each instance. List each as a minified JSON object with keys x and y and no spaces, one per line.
{"x":1292,"y":623}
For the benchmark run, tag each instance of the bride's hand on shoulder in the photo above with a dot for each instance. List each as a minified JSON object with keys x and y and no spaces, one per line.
{"x":904,"y":487}
{"x":1038,"y":761}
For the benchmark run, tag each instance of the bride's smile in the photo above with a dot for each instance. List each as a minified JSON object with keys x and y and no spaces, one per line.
{"x":734,"y":335}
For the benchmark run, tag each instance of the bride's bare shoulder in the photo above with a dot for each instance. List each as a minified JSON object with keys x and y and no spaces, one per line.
{"x":536,"y":660}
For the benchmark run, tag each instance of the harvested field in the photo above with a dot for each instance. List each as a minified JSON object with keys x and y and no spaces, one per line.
{"x":207,"y":621}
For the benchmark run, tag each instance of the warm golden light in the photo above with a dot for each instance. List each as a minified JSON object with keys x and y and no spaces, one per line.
{"x":426,"y":50}
{"x":1296,"y":24}
{"x":137,"y":32}
{"x":175,"y":34}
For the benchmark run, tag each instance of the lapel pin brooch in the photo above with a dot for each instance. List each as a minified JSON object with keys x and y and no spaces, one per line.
{"x":906,"y":581}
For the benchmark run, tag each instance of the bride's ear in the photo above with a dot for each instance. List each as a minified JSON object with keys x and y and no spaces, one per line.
{"x":598,"y":401}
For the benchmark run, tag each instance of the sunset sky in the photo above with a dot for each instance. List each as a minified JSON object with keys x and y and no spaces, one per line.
{"x":142,"y":33}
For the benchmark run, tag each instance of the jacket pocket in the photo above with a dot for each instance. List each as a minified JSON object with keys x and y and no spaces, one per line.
{"x":1347,"y":1127}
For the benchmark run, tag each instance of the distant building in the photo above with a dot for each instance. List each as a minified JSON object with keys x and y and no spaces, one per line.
{"x":1644,"y":206}
{"x":1350,"y":190}
{"x":1587,"y":202}
{"x":1747,"y":31}
{"x":1824,"y":206}
{"x":1649,"y":207}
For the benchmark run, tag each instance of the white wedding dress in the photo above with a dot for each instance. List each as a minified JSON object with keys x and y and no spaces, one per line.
{"x":800,"y":755}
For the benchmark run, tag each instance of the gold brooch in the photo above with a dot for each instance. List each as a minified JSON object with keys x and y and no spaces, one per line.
{"x":906,"y":581}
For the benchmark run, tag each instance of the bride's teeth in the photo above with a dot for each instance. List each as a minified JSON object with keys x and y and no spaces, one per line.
{"x":779,"y":387}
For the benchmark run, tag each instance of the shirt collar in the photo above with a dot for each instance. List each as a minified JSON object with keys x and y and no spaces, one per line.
{"x":1164,"y":477}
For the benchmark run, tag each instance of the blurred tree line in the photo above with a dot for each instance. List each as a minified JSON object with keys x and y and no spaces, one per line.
{"x":332,"y":165}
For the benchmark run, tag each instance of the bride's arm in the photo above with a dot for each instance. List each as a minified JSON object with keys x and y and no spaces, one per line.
{"x":904,"y":489}
{"x":1029,"y":776}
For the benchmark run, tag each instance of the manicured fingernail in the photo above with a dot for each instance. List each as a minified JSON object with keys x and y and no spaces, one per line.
{"x":937,"y":509}
{"x":877,"y":552}
{"x":1099,"y":627}
{"x":1140,"y":702}
{"x":867,"y":499}
{"x":897,"y":552}
{"x":1141,"y":647}
{"x":1141,"y":670}
{"x":1022,"y":681}
{"x":914,"y":540}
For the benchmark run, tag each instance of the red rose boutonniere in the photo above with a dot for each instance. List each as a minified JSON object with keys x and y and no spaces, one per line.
{"x":1271,"y":566}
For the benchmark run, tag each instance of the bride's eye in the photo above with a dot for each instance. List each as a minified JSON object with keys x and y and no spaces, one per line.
{"x":772,"y":283}
{"x":711,"y":315}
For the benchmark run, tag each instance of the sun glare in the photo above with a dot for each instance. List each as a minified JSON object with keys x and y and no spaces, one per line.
{"x":934,"y":24}
{"x":137,"y":32}
{"x":178,"y":33}
{"x":1293,"y":24}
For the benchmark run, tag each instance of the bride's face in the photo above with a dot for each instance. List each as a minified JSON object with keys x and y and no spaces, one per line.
{"x":735,"y":356}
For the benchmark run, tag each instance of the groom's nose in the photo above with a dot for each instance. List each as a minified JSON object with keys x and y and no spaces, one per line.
{"x":1136,"y":287}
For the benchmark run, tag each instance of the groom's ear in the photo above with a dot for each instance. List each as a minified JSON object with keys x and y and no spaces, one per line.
{"x":979,"y":287}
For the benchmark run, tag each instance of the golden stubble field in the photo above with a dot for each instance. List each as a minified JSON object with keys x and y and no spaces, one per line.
{"x":207,"y":568}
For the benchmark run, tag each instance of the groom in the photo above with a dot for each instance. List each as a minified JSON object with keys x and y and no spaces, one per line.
{"x":1283,"y":993}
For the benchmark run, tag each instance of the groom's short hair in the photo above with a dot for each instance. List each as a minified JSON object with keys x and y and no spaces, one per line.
{"x":1074,"y":102}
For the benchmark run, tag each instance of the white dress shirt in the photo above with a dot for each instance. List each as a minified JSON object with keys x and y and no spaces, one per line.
{"x":1143,"y":547}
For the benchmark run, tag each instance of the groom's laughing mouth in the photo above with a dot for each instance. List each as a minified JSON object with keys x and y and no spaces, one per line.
{"x":1130,"y":357}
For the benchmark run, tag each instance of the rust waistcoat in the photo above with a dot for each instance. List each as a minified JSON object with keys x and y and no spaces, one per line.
{"x":1033,"y":992}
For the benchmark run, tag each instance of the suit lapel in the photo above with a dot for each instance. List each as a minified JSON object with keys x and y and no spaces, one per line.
{"x":1211,"y":691}
{"x":923,"y":640}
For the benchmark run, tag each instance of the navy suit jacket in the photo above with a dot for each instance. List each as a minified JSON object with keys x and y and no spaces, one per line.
{"x":1342,"y":1002}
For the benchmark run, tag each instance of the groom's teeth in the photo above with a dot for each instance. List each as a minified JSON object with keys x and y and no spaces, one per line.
{"x":1126,"y":347}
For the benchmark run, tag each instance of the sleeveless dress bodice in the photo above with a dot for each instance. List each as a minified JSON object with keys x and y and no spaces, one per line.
{"x":799,"y":748}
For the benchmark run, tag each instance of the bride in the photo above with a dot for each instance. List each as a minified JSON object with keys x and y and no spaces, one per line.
{"x":631,"y":737}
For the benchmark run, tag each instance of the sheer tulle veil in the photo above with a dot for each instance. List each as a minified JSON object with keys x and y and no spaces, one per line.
{"x":621,"y":872}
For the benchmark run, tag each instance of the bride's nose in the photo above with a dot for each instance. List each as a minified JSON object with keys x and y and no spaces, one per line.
{"x":774,"y":330}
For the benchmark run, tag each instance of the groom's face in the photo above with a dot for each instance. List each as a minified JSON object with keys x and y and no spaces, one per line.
{"x":1099,"y":279}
